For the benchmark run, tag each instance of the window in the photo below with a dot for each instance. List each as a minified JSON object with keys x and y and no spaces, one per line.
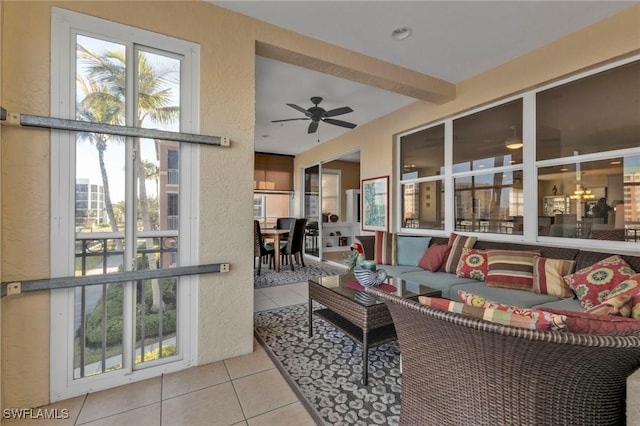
{"x":126,"y":214}
{"x":588,"y":133}
{"x":489,"y":203}
{"x":581,"y":177}
{"x":267,"y":207}
{"x":486,"y":140}
{"x":422,"y":189}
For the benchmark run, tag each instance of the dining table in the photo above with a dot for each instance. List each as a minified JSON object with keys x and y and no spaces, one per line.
{"x":276,"y":235}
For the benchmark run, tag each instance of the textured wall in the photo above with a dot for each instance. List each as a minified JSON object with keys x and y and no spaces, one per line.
{"x":225,"y":316}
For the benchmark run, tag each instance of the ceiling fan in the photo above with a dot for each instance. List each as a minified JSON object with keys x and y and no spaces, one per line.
{"x":317,"y":114}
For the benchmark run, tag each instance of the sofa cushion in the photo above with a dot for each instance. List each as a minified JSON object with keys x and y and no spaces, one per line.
{"x":456,"y":243}
{"x":511,"y":269}
{"x":632,"y":288}
{"x":507,"y":296}
{"x":409,"y":250}
{"x":497,"y":316}
{"x":542,"y":317}
{"x":473,"y":264}
{"x":432,"y":259}
{"x":385,"y":248}
{"x":563,"y":305}
{"x":399,"y":270}
{"x":593,"y":283}
{"x":584,"y":323}
{"x":548,"y":276}
{"x":437,"y":280}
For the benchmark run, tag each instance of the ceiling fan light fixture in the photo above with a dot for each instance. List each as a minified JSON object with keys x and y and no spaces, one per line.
{"x":401,"y":33}
{"x":514,"y":142}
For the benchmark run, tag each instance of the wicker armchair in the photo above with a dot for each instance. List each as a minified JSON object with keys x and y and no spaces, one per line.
{"x":459,"y":370}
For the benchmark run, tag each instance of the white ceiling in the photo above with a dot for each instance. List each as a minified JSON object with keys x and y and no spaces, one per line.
{"x":451,"y":40}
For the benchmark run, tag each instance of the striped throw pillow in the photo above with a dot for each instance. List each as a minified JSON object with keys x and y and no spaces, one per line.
{"x":488,"y":314}
{"x":385,"y":253}
{"x":544,"y":320}
{"x":619,"y":305}
{"x":456,"y":244}
{"x":548,"y":276}
{"x":511,"y":269}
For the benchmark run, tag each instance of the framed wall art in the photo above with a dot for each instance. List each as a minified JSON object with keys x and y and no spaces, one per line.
{"x":375,"y":204}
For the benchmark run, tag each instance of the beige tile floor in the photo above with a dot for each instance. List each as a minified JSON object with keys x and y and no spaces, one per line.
{"x":246,"y":390}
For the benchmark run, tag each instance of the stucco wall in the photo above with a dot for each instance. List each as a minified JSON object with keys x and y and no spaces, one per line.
{"x":604,"y":41}
{"x":225,"y":316}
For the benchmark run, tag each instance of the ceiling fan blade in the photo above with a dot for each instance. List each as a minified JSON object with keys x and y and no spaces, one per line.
{"x":337,"y":111}
{"x":299,"y":108}
{"x":288,"y":119}
{"x":313,"y":127}
{"x":340,"y":123}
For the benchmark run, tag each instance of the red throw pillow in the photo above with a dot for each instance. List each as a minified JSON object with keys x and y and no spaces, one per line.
{"x":593,"y":283}
{"x":473,"y":264}
{"x":433,"y":257}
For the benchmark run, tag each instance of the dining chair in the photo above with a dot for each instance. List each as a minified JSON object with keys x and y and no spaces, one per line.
{"x":260,"y":250}
{"x":284,"y":222}
{"x":293,"y":249}
{"x":299,"y":239}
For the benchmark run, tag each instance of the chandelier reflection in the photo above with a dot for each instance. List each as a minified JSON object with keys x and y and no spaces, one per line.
{"x":582,"y":193}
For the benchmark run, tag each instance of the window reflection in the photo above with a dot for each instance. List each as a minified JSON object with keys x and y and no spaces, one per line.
{"x":422,"y":153}
{"x":595,"y":200}
{"x":423,"y":205}
{"x":480,"y":140}
{"x":593,"y":114}
{"x":490,"y":203}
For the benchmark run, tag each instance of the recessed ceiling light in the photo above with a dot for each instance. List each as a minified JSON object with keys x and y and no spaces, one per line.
{"x":615,"y":162}
{"x":401,"y":33}
{"x":564,"y":169}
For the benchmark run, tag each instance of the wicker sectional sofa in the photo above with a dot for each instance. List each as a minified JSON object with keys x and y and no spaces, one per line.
{"x":458,"y":369}
{"x":449,"y":283}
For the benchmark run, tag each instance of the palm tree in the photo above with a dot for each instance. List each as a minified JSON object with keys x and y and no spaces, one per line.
{"x":154,"y":100}
{"x":108,"y":71}
{"x":101,"y":107}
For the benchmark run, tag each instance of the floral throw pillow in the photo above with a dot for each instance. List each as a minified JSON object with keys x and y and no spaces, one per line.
{"x":473,"y":264}
{"x":593,"y":283}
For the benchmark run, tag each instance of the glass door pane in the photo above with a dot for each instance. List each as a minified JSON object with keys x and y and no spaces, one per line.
{"x":312,"y":210}
{"x":99,"y":208}
{"x":157,"y":172}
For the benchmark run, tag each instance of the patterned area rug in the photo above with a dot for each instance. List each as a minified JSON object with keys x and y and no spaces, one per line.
{"x":327,"y":368}
{"x":269,"y":278}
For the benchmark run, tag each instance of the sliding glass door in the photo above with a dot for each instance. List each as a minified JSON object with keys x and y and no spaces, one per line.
{"x":312,"y":210}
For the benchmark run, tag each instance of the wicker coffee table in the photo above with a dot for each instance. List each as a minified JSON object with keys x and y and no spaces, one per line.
{"x":363,"y":318}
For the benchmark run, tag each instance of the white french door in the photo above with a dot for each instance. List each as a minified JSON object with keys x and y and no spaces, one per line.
{"x":121,"y":204}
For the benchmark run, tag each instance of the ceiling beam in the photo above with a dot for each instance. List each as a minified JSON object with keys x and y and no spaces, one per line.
{"x":364,"y":69}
